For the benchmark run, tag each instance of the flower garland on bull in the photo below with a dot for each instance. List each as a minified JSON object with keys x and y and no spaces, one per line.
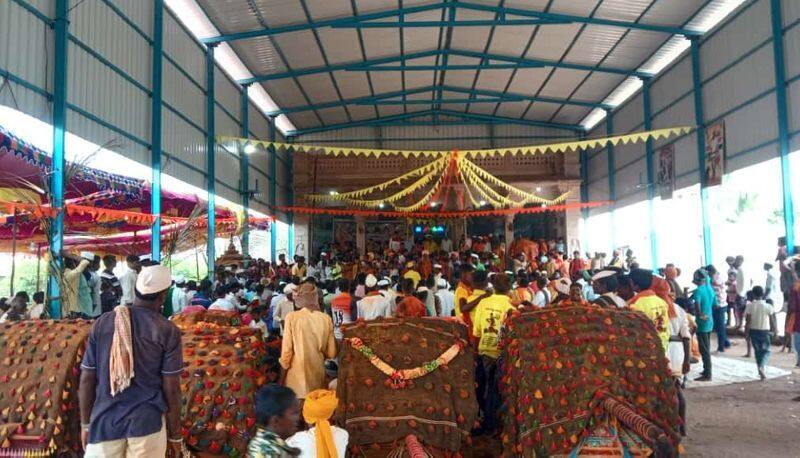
{"x":557,"y":359}
{"x":400,"y":378}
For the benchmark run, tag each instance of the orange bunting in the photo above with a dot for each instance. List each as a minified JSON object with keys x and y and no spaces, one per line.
{"x":454,"y":214}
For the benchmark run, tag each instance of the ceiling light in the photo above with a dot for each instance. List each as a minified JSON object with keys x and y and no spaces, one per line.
{"x":332,"y":192}
{"x":433,"y":204}
{"x":482,"y":203}
{"x":380,"y":205}
{"x":538,"y":189}
{"x":249,"y":148}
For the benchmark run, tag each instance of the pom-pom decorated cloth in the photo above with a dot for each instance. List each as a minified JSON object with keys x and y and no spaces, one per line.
{"x":225,"y":365}
{"x":400,"y":377}
{"x":39,"y":370}
{"x":559,"y":363}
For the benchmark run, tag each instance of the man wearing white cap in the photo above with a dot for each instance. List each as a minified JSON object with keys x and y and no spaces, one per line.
{"x":129,"y":387}
{"x":374,"y":304}
{"x":284,"y":306}
{"x":605,"y":284}
{"x":437,"y":275}
{"x":384,"y":287}
{"x":447,"y":299}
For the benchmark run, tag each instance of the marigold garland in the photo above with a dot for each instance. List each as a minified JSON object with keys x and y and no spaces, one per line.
{"x":401,"y":377}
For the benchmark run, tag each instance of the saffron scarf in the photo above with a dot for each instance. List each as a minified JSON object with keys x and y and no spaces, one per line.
{"x":661,"y":287}
{"x":317,"y":409}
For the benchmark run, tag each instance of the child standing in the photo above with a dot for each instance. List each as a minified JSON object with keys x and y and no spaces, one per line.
{"x":760,"y":326}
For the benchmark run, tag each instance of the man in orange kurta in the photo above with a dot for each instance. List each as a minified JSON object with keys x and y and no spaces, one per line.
{"x":425,"y":266}
{"x":307,"y":341}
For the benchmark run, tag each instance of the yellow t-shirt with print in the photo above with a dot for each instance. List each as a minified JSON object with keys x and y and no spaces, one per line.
{"x":487,"y":322}
{"x":657,"y":310}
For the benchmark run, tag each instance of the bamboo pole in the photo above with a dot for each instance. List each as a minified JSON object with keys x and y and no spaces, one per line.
{"x":38,"y":265}
{"x":13,"y":251}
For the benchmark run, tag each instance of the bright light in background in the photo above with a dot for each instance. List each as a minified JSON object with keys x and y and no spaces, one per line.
{"x":249,"y":149}
{"x":711,"y":15}
{"x":40,"y":135}
{"x":195,"y":19}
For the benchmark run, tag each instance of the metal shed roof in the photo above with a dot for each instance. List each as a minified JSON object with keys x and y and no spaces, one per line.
{"x":336,"y":63}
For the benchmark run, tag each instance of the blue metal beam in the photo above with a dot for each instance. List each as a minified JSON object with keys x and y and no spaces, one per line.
{"x":612,"y":179}
{"x":156,"y":99}
{"x":271,"y":31}
{"x":524,"y":122}
{"x":572,"y":18}
{"x":651,"y":173}
{"x":445,"y":67}
{"x":363,"y":21}
{"x":382,"y":99}
{"x":584,"y":164}
{"x":211,"y":148}
{"x":485,"y":119}
{"x":273,"y":192}
{"x":289,"y":177}
{"x":56,"y":236}
{"x":366,"y":122}
{"x":438,"y":24}
{"x":699,"y":119}
{"x":442,"y":101}
{"x":548,"y":63}
{"x":380,"y":64}
{"x":783,"y":121}
{"x":244,"y":171}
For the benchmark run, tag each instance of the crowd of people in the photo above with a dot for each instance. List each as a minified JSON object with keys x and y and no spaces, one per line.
{"x":306,"y":306}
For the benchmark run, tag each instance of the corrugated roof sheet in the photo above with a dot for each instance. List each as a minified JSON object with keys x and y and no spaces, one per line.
{"x":593,"y":45}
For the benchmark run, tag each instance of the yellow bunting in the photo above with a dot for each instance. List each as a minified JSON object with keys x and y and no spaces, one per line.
{"x":562,"y":147}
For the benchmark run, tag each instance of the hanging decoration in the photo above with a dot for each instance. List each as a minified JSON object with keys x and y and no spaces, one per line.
{"x":399,"y":378}
{"x":432,"y":177}
{"x":444,"y":215}
{"x":636,"y":137}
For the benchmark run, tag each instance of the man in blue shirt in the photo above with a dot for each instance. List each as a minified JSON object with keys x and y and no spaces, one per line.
{"x":129,"y":387}
{"x":706,"y":300}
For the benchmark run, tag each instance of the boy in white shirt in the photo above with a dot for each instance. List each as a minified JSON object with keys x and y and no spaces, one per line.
{"x":760,"y":326}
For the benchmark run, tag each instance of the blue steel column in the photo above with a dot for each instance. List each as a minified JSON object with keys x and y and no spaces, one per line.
{"x":290,"y":195}
{"x":155,"y":128}
{"x":584,"y":162}
{"x":783,"y":121}
{"x":651,"y":173}
{"x":273,"y":193}
{"x":244,"y":172}
{"x":59,"y":129}
{"x":211,"y":147}
{"x":699,"y":119}
{"x":612,"y":180}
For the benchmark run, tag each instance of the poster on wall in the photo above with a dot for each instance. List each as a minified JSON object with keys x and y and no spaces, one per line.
{"x":344,"y":235}
{"x":666,"y":171}
{"x":715,"y":154}
{"x":379,"y":233}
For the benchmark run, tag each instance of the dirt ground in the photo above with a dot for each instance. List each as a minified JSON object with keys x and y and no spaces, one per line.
{"x":754,"y":419}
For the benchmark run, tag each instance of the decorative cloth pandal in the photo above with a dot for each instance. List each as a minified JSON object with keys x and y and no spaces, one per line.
{"x":400,"y":378}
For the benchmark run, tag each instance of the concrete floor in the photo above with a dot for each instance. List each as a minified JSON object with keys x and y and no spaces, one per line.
{"x":752,"y":419}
